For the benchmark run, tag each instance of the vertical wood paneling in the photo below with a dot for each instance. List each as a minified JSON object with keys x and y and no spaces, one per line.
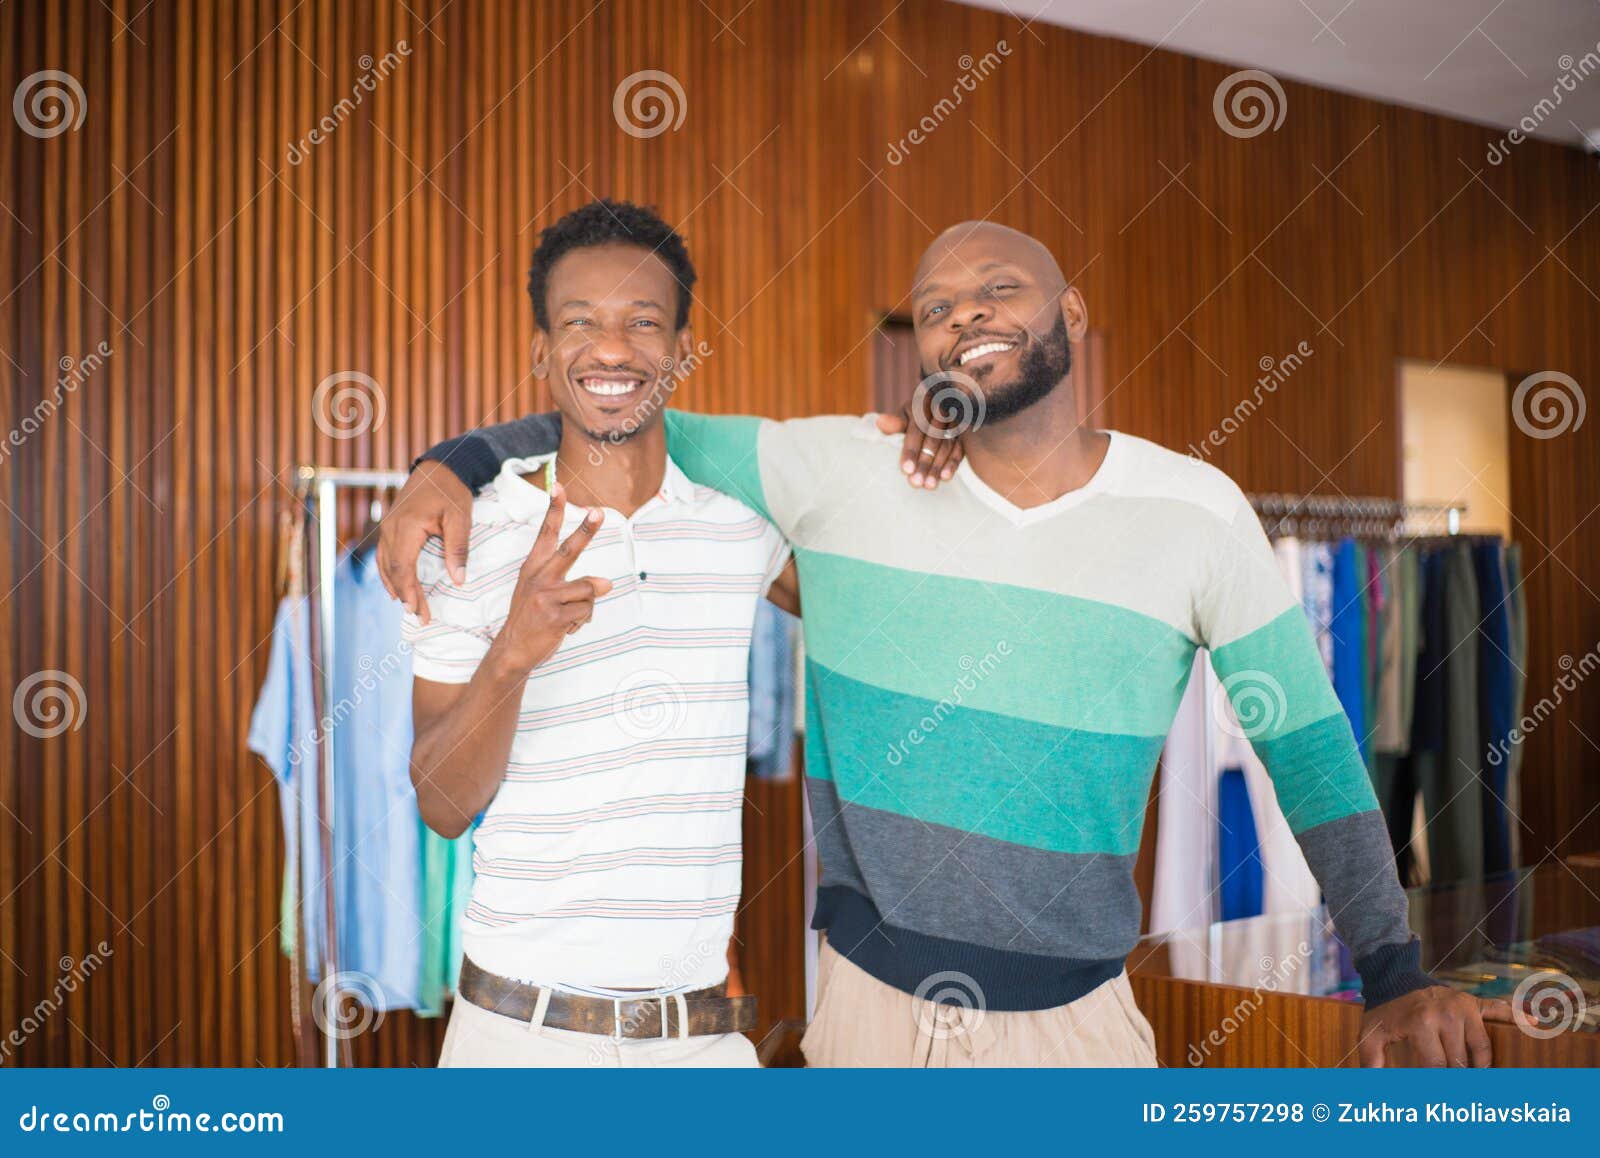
{"x":140,"y":542}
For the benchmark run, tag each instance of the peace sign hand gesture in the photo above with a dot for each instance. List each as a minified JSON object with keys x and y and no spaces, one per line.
{"x":546,"y":604}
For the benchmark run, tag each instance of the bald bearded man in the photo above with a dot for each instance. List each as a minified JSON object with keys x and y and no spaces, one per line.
{"x":991,"y":671}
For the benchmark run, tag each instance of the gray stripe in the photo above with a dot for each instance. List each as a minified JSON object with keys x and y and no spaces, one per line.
{"x":1354,"y":863}
{"x":948,"y":883}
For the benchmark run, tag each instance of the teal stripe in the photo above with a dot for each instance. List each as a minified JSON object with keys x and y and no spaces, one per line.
{"x":1013,"y":780}
{"x":1318,"y":773}
{"x":1015,"y":651}
{"x":1275,"y":678}
{"x":719,"y":452}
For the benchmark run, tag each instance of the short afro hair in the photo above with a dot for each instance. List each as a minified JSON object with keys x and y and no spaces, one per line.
{"x":608,"y":222}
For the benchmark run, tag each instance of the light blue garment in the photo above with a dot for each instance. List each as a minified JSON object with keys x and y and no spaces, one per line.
{"x":1316,"y":560}
{"x":377,"y":874}
{"x":771,"y":742}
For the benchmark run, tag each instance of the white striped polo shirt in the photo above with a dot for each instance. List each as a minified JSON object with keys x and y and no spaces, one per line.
{"x":610,"y":857}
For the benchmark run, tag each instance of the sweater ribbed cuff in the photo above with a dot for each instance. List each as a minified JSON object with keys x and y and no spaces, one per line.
{"x":469,"y":457}
{"x":1392,"y":971}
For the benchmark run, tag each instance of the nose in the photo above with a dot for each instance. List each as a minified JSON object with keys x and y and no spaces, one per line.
{"x":970,"y":312}
{"x":612,"y":348}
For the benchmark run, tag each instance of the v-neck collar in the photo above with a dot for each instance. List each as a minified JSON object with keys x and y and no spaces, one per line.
{"x":1098,"y":483}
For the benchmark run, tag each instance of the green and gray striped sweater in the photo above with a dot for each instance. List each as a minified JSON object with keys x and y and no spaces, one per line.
{"x":988,"y":690}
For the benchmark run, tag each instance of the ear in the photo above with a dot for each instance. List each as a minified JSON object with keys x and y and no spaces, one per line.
{"x":683,"y":348}
{"x":1075,"y":313}
{"x":540,"y":349}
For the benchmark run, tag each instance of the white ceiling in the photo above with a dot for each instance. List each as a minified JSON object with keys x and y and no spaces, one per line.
{"x":1489,"y":61}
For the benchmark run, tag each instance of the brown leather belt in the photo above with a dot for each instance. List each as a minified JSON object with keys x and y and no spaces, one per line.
{"x":710,"y":1011}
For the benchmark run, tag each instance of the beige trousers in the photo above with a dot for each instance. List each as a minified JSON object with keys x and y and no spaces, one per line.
{"x":481,"y":1038}
{"x":860,"y":1021}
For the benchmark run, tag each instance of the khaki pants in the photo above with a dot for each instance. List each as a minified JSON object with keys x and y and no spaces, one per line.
{"x":860,"y":1021}
{"x":479,"y":1037}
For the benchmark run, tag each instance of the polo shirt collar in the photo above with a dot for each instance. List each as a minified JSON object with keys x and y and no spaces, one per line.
{"x":522,"y":500}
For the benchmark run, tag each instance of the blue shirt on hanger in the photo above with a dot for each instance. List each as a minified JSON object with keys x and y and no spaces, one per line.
{"x":377,"y":850}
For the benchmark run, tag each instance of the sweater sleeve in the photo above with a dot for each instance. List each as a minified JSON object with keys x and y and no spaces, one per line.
{"x":1263,"y":652}
{"x":475,"y":457}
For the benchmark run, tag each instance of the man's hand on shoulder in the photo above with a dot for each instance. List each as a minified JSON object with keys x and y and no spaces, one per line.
{"x":931,"y":450}
{"x":433,"y":502}
{"x":1441,"y":1027}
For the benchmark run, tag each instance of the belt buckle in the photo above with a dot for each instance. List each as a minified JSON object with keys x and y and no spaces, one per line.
{"x":616,"y":1020}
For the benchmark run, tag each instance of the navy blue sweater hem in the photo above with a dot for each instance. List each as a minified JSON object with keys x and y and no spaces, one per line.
{"x":912,"y":962}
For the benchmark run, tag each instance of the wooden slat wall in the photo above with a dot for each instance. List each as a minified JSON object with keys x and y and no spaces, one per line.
{"x":140,"y":548}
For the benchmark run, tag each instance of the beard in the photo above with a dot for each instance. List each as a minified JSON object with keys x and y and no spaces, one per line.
{"x":1044,"y":366}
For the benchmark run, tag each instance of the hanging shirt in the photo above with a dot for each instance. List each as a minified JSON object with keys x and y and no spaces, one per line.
{"x":772,"y":683}
{"x":1348,"y":630}
{"x":1317,"y":597}
{"x":446,"y":887}
{"x":376,"y":848}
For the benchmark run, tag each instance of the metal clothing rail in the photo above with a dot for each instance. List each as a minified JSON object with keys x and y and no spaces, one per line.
{"x":1344,"y":508}
{"x":318,"y":488}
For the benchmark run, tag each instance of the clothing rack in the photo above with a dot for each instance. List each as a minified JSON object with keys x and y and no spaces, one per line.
{"x":318,"y":487}
{"x":1373,"y":517}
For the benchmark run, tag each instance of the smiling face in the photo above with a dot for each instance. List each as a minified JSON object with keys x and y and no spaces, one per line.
{"x":612,"y":343}
{"x":991,"y":307}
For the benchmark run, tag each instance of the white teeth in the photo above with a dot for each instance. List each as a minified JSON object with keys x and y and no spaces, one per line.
{"x":980,"y":351}
{"x":607,"y":389}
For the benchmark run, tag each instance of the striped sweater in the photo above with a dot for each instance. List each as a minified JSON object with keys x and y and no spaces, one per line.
{"x":988,"y":689}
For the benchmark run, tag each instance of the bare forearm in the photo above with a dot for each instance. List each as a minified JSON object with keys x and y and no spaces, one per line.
{"x":459,"y":753}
